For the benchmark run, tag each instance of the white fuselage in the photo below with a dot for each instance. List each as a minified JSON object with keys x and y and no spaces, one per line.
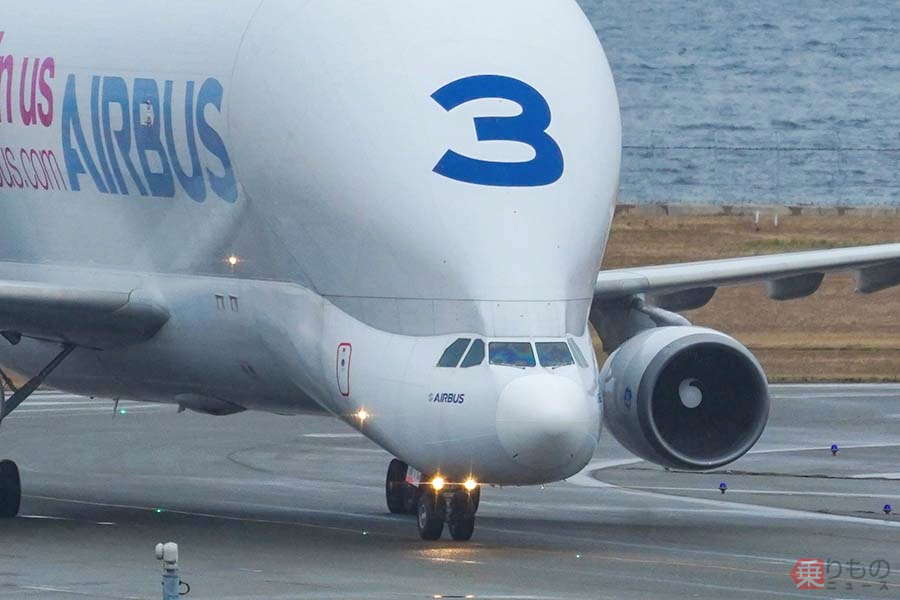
{"x":388,"y":177}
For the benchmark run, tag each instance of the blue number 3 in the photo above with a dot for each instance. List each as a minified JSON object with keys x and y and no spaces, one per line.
{"x":530,"y":128}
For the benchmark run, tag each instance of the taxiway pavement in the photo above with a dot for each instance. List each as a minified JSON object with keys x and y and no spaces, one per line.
{"x":267,"y":507}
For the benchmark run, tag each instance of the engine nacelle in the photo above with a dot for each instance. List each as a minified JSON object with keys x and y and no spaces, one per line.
{"x":685,"y":397}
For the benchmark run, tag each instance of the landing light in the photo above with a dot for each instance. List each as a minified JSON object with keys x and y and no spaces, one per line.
{"x":471,"y":484}
{"x":438,"y":483}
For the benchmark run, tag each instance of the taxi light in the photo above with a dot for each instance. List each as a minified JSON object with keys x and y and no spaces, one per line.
{"x":438,"y":483}
{"x":470,"y":485}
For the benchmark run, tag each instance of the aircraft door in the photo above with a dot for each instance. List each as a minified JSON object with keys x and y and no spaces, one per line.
{"x":344,"y":353}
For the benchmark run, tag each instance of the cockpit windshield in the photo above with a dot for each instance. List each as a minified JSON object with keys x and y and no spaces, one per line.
{"x":512,"y":354}
{"x":579,"y":357}
{"x":475,"y":356}
{"x":453,"y":353}
{"x":554,"y":354}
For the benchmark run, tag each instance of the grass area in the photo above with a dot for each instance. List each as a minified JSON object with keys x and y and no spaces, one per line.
{"x":773,"y":245}
{"x":834,"y":335}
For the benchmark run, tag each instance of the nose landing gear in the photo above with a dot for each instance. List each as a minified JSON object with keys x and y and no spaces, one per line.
{"x":461,"y":519}
{"x":454,"y":507}
{"x":450,"y":504}
{"x":430,"y":516}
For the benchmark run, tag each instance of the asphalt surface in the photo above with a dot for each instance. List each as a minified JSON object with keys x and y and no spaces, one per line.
{"x":267,"y":507}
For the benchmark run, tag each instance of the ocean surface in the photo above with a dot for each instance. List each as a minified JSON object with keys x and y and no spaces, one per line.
{"x":764,"y":102}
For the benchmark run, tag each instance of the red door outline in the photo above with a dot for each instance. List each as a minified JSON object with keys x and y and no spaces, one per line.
{"x":344,"y":352}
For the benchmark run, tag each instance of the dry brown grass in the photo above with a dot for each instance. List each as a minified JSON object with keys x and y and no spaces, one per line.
{"x":834,"y":335}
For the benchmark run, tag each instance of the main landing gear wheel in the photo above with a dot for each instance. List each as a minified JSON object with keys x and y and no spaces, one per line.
{"x":430,"y":516}
{"x":402,"y":497}
{"x":461,"y":529}
{"x":463,"y":506}
{"x":396,"y":490}
{"x":10,"y":489}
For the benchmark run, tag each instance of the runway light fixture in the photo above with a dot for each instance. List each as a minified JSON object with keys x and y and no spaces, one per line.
{"x":834,"y":449}
{"x":723,"y":487}
{"x":438,"y":483}
{"x":362,"y":415}
{"x":470,"y":484}
{"x":233,"y":261}
{"x":888,"y":509}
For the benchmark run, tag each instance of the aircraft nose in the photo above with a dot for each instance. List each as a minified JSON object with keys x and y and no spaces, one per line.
{"x":543,"y":420}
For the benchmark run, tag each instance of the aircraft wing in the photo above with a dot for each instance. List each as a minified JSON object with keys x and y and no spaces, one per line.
{"x":80,"y":317}
{"x":793,"y":275}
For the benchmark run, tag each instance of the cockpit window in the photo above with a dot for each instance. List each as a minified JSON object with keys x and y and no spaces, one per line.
{"x":554,"y":354}
{"x":475,"y":356}
{"x":453,"y":353}
{"x":512,"y":354}
{"x":579,"y":357}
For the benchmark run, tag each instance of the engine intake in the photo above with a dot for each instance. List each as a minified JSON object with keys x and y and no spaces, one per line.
{"x":685,"y":397}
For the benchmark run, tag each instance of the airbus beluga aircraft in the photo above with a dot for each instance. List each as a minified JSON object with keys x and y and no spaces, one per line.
{"x":390,"y":212}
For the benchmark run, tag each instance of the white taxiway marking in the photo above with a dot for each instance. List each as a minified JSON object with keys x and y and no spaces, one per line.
{"x":800,"y":396}
{"x":586,"y":478}
{"x":834,"y":386}
{"x":21,"y":412}
{"x":63,"y":403}
{"x":231,"y":518}
{"x":50,"y":518}
{"x":663,"y":488}
{"x":47,"y":588}
{"x":876,"y":476}
{"x":599,"y":465}
{"x":332,"y":435}
{"x":760,"y":511}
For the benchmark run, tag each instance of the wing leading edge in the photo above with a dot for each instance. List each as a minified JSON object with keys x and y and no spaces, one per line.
{"x":80,"y":317}
{"x":627,"y":301}
{"x":792,"y":275}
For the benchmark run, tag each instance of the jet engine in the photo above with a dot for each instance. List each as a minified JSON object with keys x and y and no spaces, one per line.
{"x":685,"y":397}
